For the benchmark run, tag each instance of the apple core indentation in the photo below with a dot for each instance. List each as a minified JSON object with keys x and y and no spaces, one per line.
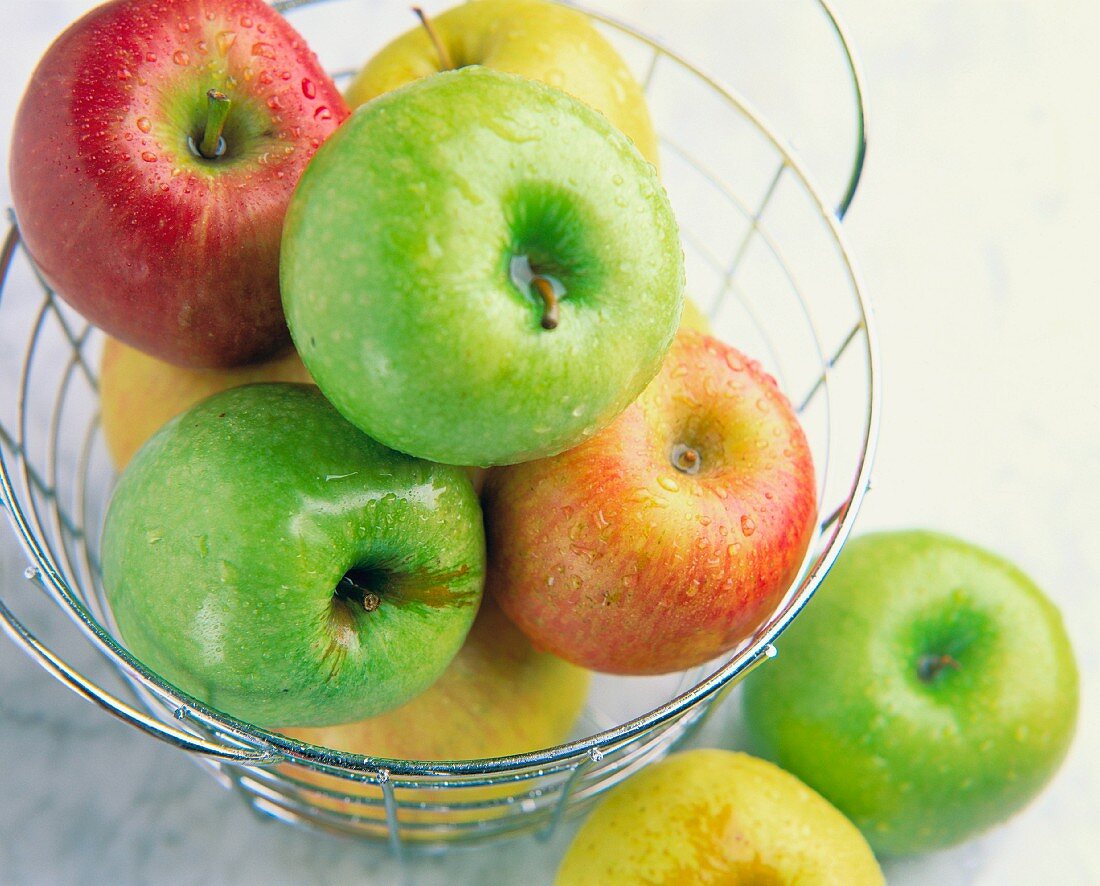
{"x":360,"y":587}
{"x":929,"y":667}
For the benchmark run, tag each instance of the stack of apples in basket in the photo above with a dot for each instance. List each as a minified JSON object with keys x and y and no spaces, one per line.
{"x":357,"y":321}
{"x":416,"y":427}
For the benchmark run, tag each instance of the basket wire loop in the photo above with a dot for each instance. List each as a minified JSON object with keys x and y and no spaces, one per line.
{"x":394,"y":800}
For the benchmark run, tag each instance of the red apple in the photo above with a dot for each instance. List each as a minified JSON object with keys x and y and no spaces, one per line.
{"x":666,"y":539}
{"x":146,"y":211}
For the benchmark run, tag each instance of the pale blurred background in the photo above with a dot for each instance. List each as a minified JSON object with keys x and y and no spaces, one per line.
{"x":977,"y":229}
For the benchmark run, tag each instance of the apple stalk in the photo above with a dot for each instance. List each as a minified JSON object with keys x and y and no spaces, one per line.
{"x":446,"y":63}
{"x":545,"y":289}
{"x":213,"y":145}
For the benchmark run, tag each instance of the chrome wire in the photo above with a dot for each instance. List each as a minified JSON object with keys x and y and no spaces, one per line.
{"x":544,"y":786}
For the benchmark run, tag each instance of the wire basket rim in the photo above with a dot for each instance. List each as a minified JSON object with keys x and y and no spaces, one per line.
{"x":268,"y":747}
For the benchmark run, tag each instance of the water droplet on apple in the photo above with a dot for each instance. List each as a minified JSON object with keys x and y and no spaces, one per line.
{"x":733,"y":549}
{"x":264,"y":78}
{"x":202,"y":47}
{"x":185,"y":26}
{"x":246,"y":22}
{"x":616,"y":179}
{"x":264,"y":50}
{"x":153,"y":536}
{"x":150,"y":56}
{"x":123,"y":74}
{"x":621,"y":202}
{"x":273,"y":103}
{"x":144,"y":124}
{"x":284,"y":75}
{"x":210,"y":15}
{"x":224,"y":40}
{"x":180,"y":57}
{"x":748,"y":525}
{"x":308,"y":89}
{"x":668,"y":483}
{"x":555,"y":77}
{"x":322,"y":113}
{"x":148,"y":156}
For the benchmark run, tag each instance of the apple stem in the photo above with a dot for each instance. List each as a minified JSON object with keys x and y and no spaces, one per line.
{"x":931,"y":666}
{"x":446,"y":63}
{"x":545,"y":290}
{"x":212,"y":145}
{"x":685,"y":459}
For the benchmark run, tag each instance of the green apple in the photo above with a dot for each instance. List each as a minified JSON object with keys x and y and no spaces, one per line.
{"x":269,"y":559}
{"x":720,"y":818}
{"x":533,"y":38}
{"x":929,"y":691}
{"x":478,"y":269}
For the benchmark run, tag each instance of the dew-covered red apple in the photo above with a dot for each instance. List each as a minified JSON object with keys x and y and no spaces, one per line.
{"x":153,"y":156}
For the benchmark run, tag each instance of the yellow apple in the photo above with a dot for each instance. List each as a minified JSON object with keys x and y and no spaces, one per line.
{"x":139,"y":393}
{"x":693,"y":318}
{"x":500,"y":696}
{"x":717,"y":817}
{"x":533,"y":38}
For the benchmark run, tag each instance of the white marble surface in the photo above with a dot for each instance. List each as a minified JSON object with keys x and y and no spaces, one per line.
{"x":977,"y":228}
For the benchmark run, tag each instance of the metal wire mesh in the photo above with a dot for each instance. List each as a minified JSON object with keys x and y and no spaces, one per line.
{"x":754,"y":233}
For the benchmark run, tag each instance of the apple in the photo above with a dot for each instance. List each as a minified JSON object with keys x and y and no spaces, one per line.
{"x":533,"y":38}
{"x":500,"y":696}
{"x":694,"y":318}
{"x":139,"y":393}
{"x":717,"y":817}
{"x":929,"y":691}
{"x":269,"y":559}
{"x":153,"y":156}
{"x":478,"y":269}
{"x":667,"y":539}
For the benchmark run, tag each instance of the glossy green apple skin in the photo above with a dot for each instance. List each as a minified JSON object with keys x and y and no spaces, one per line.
{"x":396,"y":269}
{"x":533,"y":38}
{"x":919,"y":763}
{"x":230,"y":530}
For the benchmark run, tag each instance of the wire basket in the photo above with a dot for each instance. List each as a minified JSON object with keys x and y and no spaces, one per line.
{"x":765,"y":259}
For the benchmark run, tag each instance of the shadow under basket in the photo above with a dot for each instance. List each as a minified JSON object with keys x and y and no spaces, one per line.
{"x":766,"y":260}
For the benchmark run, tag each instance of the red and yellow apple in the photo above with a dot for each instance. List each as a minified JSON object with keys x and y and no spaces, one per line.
{"x":153,"y":156}
{"x":666,"y":539}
